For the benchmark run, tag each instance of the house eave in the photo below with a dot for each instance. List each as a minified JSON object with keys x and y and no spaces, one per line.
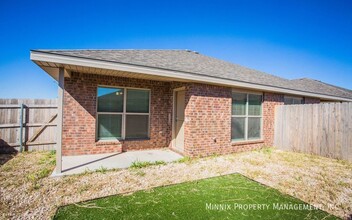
{"x":60,"y":60}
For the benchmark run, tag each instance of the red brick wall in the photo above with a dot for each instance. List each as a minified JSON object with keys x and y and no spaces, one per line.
{"x":208,"y":121}
{"x":207,"y":117}
{"x":79,"y":134}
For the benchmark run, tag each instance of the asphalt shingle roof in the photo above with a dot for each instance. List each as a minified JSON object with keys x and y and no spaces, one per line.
{"x":195,"y":63}
{"x":323,"y":88}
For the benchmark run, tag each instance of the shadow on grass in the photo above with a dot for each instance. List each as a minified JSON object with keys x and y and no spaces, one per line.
{"x":6,"y":152}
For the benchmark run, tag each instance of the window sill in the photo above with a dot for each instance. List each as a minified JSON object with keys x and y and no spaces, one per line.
{"x":118,"y":141}
{"x":107,"y":142}
{"x":136,"y":139}
{"x":235,"y":143}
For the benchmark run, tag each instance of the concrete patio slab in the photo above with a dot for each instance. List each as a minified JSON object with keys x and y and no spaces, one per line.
{"x":79,"y":164}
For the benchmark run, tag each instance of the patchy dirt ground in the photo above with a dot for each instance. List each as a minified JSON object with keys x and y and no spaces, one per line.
{"x":27,"y":193}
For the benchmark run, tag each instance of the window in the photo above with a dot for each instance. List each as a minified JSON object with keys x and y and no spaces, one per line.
{"x":246,"y":120}
{"x":122,"y":113}
{"x":289,"y":100}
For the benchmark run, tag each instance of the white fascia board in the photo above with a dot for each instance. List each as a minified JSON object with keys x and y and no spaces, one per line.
{"x":86,"y":62}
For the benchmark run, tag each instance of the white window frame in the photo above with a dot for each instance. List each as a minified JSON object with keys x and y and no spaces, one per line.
{"x":124,"y":113}
{"x":246,"y":116}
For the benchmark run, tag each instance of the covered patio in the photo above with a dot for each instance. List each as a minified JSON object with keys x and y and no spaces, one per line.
{"x":109,"y":115}
{"x":83,"y":163}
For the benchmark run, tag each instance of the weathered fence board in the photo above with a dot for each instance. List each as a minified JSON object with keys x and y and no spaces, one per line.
{"x":39,"y":124}
{"x":321,"y":129}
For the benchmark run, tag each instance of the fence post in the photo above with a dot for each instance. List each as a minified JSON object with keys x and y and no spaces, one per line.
{"x":21,"y":128}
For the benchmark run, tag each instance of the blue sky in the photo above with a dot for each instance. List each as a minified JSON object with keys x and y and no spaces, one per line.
{"x":291,"y":39}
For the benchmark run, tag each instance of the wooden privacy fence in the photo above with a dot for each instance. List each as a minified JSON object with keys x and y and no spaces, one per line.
{"x":321,"y":129}
{"x":28,"y":124}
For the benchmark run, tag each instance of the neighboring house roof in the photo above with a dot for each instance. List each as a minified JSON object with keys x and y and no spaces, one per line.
{"x":322,"y":87}
{"x":190,"y":62}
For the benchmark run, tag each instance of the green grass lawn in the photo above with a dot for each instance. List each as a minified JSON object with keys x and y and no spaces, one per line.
{"x":213,"y":198}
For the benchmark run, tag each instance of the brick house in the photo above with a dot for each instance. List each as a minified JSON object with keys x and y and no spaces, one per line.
{"x":121,"y":100}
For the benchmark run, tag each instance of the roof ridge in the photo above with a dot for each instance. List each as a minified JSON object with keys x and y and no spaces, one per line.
{"x":305,"y":78}
{"x":188,"y":50}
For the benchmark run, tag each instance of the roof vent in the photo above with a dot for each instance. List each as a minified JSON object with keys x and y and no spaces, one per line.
{"x":192,"y":51}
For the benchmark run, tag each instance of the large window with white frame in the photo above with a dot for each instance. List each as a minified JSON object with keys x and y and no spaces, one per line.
{"x":122,"y":113}
{"x":246,"y":120}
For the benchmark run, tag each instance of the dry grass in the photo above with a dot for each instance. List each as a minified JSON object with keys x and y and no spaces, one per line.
{"x":324,"y":182}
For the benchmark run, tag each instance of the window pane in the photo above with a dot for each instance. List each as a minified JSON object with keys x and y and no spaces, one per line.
{"x":293,"y":101}
{"x":109,"y":126}
{"x":110,"y":99}
{"x":137,"y":126}
{"x":239,"y":103}
{"x":237,"y":128}
{"x":254,"y":104}
{"x":288,"y":101}
{"x":254,"y":128}
{"x":297,"y":101}
{"x":137,"y":101}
